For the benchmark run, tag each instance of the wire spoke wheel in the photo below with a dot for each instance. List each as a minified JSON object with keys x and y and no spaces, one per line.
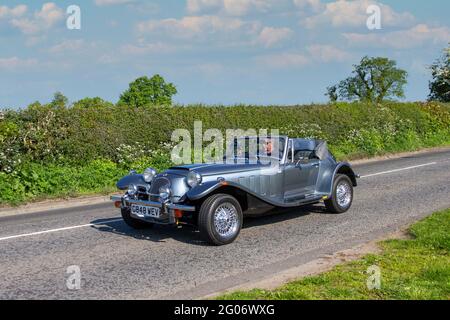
{"x":220,"y":219}
{"x":343,"y":194}
{"x":226,"y":220}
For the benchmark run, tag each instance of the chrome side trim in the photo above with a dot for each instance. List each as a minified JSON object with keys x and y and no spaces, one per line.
{"x":181,"y":207}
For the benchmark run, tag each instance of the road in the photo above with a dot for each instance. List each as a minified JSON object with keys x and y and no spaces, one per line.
{"x":119,"y":263}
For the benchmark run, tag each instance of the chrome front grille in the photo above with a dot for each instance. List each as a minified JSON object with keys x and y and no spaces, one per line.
{"x":142,"y":193}
{"x":158,"y":183}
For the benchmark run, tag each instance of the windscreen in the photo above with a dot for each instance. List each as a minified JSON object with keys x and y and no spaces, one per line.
{"x":257,"y":147}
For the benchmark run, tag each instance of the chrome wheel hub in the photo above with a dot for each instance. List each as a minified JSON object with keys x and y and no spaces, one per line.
{"x":343,"y":194}
{"x":226,"y":220}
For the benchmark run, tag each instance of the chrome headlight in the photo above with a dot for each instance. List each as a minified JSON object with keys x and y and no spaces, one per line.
{"x":132,"y":189}
{"x":193,"y":179}
{"x":164,"y":192}
{"x":149,"y":174}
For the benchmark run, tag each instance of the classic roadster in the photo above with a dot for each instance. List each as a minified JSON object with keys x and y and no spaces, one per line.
{"x":215,"y":197}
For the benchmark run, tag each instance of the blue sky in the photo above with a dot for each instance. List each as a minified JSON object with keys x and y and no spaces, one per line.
{"x":214,"y":51}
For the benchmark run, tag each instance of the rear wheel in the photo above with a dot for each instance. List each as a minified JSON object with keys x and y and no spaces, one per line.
{"x":132,"y":222}
{"x":342,"y":195}
{"x":220,"y":219}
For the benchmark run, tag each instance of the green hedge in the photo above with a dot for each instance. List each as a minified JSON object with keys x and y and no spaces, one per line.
{"x":54,"y":151}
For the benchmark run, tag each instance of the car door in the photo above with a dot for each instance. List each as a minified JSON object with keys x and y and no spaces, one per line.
{"x":301,"y":173}
{"x":310,"y":171}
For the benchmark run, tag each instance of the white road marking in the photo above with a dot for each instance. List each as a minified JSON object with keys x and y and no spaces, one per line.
{"x":117,"y":220}
{"x":57,"y":230}
{"x":397,"y":170}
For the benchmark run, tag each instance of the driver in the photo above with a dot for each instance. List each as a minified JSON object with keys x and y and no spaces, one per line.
{"x":269,"y":148}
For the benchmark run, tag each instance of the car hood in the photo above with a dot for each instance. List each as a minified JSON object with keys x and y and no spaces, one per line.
{"x":178,"y":173}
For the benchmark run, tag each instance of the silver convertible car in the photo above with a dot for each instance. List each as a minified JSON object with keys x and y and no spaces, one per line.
{"x":215,"y":197}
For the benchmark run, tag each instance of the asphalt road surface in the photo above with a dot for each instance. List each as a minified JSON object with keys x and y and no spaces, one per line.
{"x":117,"y":262}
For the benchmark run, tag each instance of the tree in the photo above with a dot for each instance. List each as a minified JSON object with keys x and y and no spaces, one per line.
{"x":144,"y":91}
{"x":440,"y":72}
{"x":96,"y":102}
{"x":332,"y":93}
{"x":59,"y":100}
{"x":372,"y":80}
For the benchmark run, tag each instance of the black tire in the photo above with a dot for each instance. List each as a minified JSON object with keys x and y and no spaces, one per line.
{"x":132,"y":222}
{"x":332,"y":204}
{"x":206,"y":218}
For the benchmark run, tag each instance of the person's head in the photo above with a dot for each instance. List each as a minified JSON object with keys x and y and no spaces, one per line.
{"x":268,"y":146}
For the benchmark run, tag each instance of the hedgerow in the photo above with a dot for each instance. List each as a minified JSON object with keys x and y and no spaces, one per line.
{"x":50,"y":150}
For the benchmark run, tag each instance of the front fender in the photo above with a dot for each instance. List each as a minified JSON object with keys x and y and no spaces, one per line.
{"x":346,"y":168}
{"x":137,"y":179}
{"x":203,"y":190}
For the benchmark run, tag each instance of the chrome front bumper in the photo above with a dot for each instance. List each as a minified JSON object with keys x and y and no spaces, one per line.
{"x":167,"y":209}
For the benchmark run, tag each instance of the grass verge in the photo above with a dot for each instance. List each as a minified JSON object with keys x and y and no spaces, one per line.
{"x":412,"y":269}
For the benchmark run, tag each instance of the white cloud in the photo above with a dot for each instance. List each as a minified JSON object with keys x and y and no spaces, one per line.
{"x":104,"y":3}
{"x":231,"y":7}
{"x":17,"y":11}
{"x":26,"y":25}
{"x":49,"y":14}
{"x":224,"y":30}
{"x":315,"y":5}
{"x":196,"y":6}
{"x":135,"y":6}
{"x":41,"y":20}
{"x":271,"y":36}
{"x":198,"y":27}
{"x":327,"y":53}
{"x":344,"y":13}
{"x":67,"y":45}
{"x":416,"y":36}
{"x":15,"y":63}
{"x":317,"y":53}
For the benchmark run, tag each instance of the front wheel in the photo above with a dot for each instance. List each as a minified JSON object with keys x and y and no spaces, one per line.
{"x":342,"y":195}
{"x":220,"y":219}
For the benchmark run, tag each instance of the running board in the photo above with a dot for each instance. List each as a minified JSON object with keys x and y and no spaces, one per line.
{"x":295,"y":202}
